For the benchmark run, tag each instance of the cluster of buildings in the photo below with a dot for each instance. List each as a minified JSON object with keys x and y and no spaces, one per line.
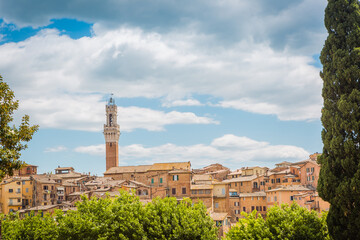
{"x":225,"y":193}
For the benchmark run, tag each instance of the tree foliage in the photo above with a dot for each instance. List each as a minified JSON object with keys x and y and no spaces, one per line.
{"x":12,"y":138}
{"x":339,"y":181}
{"x":124,"y":217}
{"x":282,"y":222}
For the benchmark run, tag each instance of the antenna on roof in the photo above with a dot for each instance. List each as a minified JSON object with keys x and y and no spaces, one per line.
{"x":111,"y":100}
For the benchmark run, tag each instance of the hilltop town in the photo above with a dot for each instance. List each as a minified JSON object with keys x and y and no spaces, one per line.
{"x":225,"y":193}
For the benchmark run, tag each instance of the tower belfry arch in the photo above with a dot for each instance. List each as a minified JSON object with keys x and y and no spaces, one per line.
{"x":111,"y":134}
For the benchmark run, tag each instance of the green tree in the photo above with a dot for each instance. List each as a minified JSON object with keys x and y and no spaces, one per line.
{"x":11,"y":138}
{"x":339,"y":181}
{"x":282,"y":222}
{"x":124,"y":217}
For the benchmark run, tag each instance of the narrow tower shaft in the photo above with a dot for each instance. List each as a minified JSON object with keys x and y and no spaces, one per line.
{"x":112,"y":135}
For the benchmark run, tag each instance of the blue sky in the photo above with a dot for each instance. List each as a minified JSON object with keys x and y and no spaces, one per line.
{"x":233,"y":82}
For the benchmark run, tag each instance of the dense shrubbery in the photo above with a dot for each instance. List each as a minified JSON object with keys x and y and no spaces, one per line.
{"x":282,"y":222}
{"x":124,"y":217}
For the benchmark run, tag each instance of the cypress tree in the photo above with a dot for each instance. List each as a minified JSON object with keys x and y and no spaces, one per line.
{"x":339,"y":181}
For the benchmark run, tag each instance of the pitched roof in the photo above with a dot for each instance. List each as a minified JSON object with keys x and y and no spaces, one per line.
{"x":291,"y":188}
{"x":170,"y":166}
{"x":216,"y":216}
{"x":254,"y":194}
{"x":128,"y":169}
{"x":200,"y":186}
{"x":236,"y":172}
{"x":64,"y":168}
{"x":201,"y":177}
{"x":241,"y":179}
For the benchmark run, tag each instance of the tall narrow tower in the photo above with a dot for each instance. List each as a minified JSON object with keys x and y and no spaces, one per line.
{"x":112,"y":134}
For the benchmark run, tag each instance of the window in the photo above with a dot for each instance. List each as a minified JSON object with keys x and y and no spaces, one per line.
{"x":237,"y":211}
{"x":312,"y":169}
{"x":152,"y":181}
{"x":193,"y":192}
{"x":223,"y":191}
{"x":272,"y":180}
{"x":27,"y":190}
{"x":313,"y":178}
{"x":11,"y":190}
{"x":201,"y":191}
{"x":176,"y":178}
{"x":10,"y":202}
{"x":207,"y":191}
{"x":252,"y":208}
{"x":23,"y":182}
{"x":52,"y":187}
{"x":19,"y":200}
{"x":307,"y":170}
{"x":241,"y":184}
{"x":244,"y":209}
{"x":18,"y":190}
{"x":278,"y":180}
{"x":252,"y":198}
{"x":260,"y":208}
{"x":264,"y":208}
{"x":161,"y":181}
{"x":173,"y":191}
{"x":235,"y":184}
{"x":45,"y":197}
{"x":236,"y":203}
{"x":275,"y":199}
{"x":216,"y":205}
{"x":291,"y":198}
{"x":73,"y":189}
{"x":46,"y":187}
{"x":183,"y":190}
{"x":257,"y":208}
{"x":18,"y":183}
{"x":269,"y":199}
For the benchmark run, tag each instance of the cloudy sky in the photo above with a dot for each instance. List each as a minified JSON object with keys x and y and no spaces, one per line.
{"x":234,"y":82}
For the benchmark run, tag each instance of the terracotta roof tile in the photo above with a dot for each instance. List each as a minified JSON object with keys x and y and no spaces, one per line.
{"x":128,"y":169}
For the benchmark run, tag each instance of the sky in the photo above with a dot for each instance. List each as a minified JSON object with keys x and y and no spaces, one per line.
{"x":233,"y":82}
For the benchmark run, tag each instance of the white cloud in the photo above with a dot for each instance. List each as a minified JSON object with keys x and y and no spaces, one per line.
{"x":86,"y":112}
{"x":55,"y":149}
{"x":92,"y":150}
{"x":249,"y":75}
{"x":229,"y":150}
{"x":177,"y":103}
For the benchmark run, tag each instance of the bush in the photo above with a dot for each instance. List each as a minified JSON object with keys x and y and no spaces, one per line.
{"x":124,"y":217}
{"x":282,"y":222}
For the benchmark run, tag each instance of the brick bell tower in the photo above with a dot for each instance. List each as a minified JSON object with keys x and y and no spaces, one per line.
{"x":112,"y":135}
